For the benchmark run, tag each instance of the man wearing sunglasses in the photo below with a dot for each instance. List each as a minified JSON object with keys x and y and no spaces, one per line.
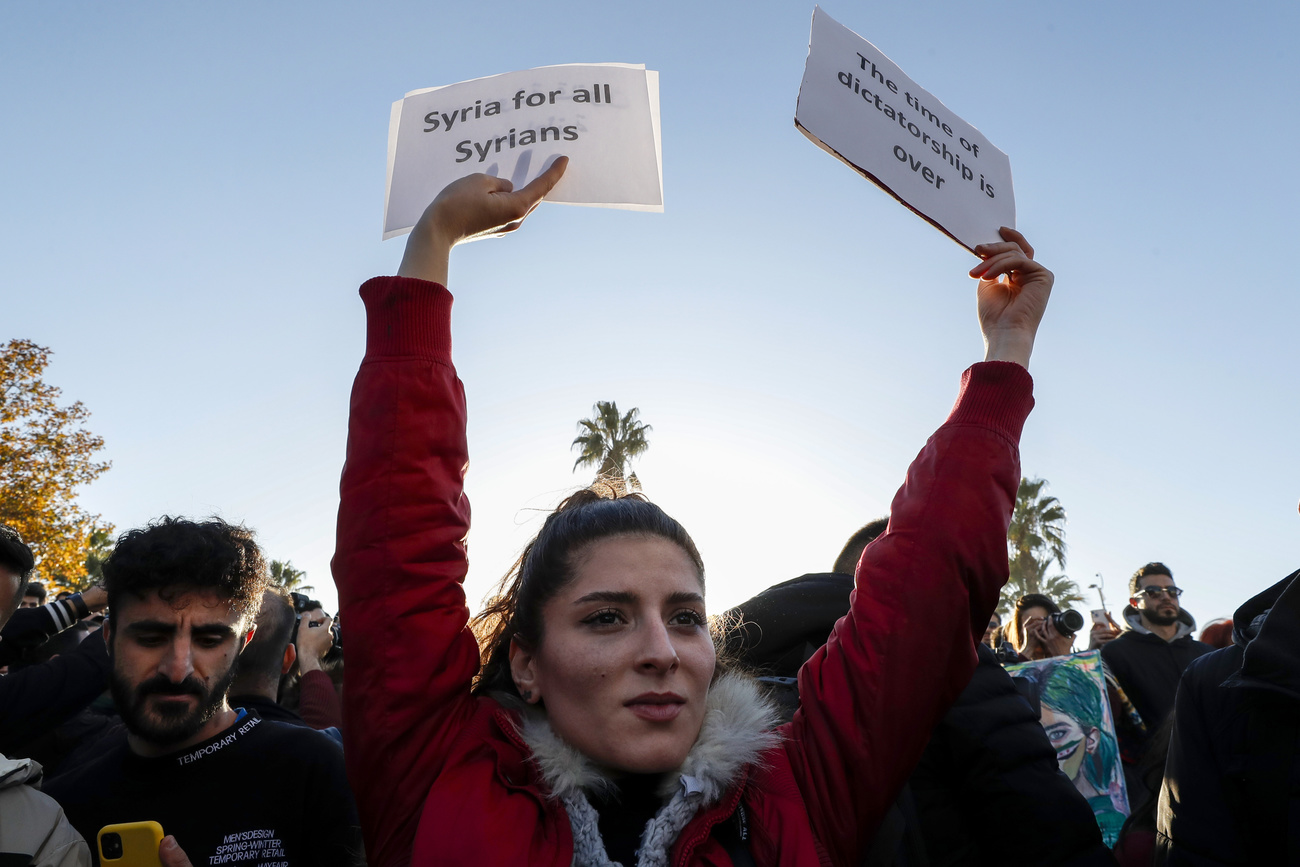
{"x":1150,"y":654}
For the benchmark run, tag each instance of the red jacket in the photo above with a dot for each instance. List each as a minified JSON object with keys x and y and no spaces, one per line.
{"x":442,"y":777}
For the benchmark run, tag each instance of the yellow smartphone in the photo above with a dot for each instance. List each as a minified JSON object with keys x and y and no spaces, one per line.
{"x":130,"y":844}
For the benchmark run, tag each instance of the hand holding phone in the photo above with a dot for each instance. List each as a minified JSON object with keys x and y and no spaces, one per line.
{"x":1104,"y":629}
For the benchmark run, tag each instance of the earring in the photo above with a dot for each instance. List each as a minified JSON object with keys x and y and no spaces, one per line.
{"x":527,"y":695}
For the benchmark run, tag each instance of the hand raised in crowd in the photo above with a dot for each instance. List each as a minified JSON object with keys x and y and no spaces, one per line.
{"x":96,"y":598}
{"x":313,"y":642}
{"x":476,"y":206}
{"x":1102,"y":634}
{"x":1011,"y":309}
{"x":1042,"y":634}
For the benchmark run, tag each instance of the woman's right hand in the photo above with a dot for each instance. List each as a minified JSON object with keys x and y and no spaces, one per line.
{"x":475,"y":206}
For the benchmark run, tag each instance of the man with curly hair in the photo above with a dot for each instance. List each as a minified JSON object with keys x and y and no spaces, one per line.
{"x":183,"y":599}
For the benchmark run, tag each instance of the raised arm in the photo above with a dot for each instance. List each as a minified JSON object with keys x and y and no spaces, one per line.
{"x":925,"y":589}
{"x":400,"y":557}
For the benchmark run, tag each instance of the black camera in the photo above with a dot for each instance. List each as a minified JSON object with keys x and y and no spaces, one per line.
{"x":1006,"y":654}
{"x":1067,"y":622}
{"x":301,"y":604}
{"x":111,"y":844}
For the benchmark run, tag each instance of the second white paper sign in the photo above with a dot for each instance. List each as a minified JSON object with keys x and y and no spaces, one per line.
{"x":857,"y":104}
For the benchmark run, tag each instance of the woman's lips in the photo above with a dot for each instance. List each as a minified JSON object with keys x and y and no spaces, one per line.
{"x":657,"y":707}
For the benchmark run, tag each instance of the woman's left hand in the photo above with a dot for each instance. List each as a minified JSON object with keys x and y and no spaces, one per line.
{"x":1010,"y":309}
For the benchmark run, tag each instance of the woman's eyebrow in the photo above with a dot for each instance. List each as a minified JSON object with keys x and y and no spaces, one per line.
{"x":624,"y":597}
{"x":621,"y":597}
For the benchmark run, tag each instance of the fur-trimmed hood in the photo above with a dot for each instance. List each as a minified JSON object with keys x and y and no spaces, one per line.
{"x":739,"y":726}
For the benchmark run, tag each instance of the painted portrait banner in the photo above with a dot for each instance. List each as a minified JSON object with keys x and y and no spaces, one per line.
{"x":603,"y":116}
{"x":1076,"y":715}
{"x":856,"y":104}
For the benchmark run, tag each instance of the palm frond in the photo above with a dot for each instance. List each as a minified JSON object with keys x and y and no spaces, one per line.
{"x":1036,"y":541}
{"x":610,"y":440}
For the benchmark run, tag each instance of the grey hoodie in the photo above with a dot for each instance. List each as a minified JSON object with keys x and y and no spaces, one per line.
{"x":1148,"y":667}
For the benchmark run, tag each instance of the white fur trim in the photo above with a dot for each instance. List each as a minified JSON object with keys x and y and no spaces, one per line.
{"x":739,"y":726}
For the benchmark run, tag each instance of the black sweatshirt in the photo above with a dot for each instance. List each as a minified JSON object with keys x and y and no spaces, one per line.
{"x":40,"y":697}
{"x":258,"y":794}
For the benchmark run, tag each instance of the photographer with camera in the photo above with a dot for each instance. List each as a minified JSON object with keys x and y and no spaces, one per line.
{"x":320,"y":648}
{"x":1038,"y":629}
{"x":275,"y":647}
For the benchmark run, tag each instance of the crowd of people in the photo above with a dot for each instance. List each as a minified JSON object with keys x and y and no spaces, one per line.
{"x":595,"y":713}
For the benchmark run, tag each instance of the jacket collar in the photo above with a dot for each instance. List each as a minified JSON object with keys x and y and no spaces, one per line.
{"x":1133,"y":619}
{"x":739,"y":726}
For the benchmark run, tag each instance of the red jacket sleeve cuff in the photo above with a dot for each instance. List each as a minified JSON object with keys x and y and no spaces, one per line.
{"x":997,"y":395}
{"x":405,"y":318}
{"x":318,"y":703}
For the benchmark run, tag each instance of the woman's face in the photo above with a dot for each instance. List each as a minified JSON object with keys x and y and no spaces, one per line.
{"x":1028,"y":617}
{"x":1071,"y":741}
{"x":626,"y":657}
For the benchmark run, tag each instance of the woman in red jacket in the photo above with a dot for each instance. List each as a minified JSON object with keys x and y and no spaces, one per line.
{"x":602,"y":729}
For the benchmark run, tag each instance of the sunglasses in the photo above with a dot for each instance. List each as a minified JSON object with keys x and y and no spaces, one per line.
{"x":1155,"y":592}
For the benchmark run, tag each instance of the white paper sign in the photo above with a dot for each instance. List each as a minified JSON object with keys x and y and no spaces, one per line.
{"x":856,"y":104}
{"x":603,"y":116}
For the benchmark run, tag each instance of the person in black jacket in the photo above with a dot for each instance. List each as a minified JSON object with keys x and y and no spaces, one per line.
{"x":987,"y":781}
{"x":988,"y":788}
{"x":16,"y":564}
{"x":40,"y":697}
{"x":1150,"y":655}
{"x":30,"y":627}
{"x":1229,"y":794}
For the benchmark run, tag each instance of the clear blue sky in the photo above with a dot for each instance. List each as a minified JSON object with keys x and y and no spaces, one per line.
{"x":190,"y":194}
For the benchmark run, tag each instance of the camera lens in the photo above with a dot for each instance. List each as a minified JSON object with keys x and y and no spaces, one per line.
{"x":1068,"y":622}
{"x":110,"y":846}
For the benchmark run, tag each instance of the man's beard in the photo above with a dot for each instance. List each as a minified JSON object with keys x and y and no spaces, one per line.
{"x":1159,"y":618}
{"x":168,"y":725}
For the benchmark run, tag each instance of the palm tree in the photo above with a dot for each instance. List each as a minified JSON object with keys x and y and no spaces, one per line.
{"x":289,"y":579}
{"x":1036,"y":540}
{"x":610,"y":441}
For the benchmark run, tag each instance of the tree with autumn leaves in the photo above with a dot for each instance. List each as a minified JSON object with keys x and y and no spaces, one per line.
{"x":46,"y":456}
